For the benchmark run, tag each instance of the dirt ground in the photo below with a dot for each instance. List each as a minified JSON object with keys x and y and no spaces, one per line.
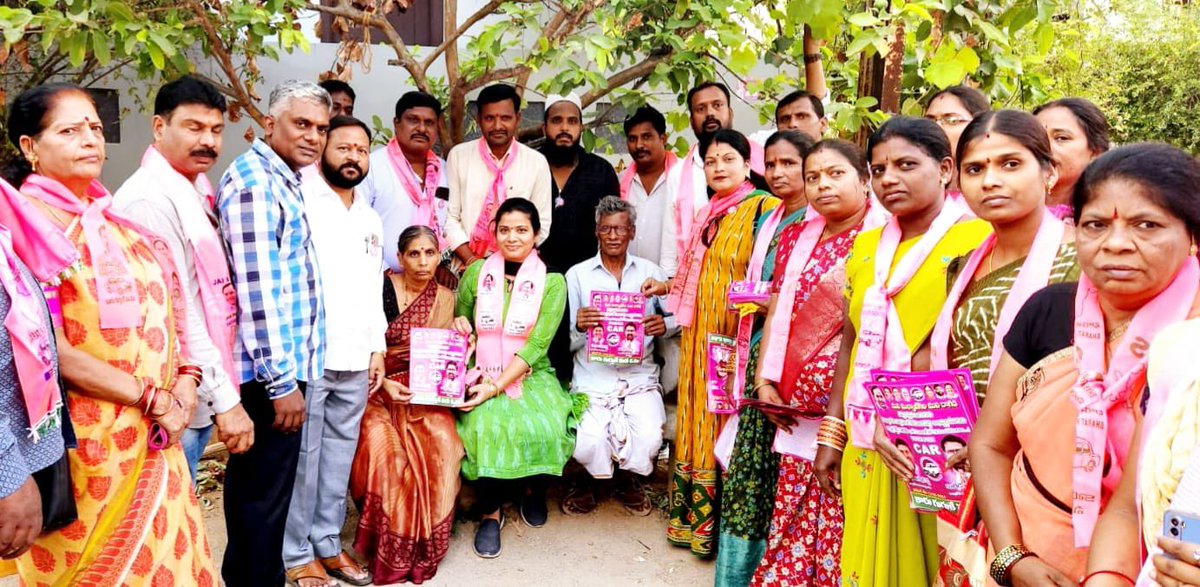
{"x":606,"y":548}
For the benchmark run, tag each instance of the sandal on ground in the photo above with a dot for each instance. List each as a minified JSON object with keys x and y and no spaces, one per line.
{"x":311,"y":574}
{"x":487,"y":537}
{"x":344,"y":568}
{"x":634,"y":498}
{"x":580,"y":500}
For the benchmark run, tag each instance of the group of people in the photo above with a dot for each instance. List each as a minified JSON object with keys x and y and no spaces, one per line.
{"x":276,"y":310}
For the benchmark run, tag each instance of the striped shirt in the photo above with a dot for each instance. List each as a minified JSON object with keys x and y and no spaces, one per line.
{"x":274,"y":269}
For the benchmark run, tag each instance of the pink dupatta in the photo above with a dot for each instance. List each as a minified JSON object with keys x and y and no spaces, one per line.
{"x":762,"y":245}
{"x":217,"y":300}
{"x":1105,"y":422}
{"x":881,"y":338}
{"x":1034,"y":275}
{"x":630,"y":174}
{"x":500,"y":335}
{"x":33,"y":354}
{"x":115,"y":273}
{"x":682,"y":299}
{"x":482,"y":239}
{"x":775,"y":345}
{"x":426,"y":214}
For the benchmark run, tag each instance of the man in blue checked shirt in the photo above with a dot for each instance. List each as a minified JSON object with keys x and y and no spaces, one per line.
{"x":280,"y":346}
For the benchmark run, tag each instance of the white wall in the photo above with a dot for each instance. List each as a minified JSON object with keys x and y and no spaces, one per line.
{"x":377,"y":92}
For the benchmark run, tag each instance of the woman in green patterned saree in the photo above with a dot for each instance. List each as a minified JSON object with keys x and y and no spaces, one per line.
{"x":749,"y":483}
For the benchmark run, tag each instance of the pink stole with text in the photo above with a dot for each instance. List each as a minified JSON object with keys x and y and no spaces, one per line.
{"x":482,"y":239}
{"x":502,"y":335}
{"x":762,"y":245}
{"x":33,"y":350}
{"x":1105,"y":420}
{"x":775,"y":346}
{"x":881,"y":338}
{"x":682,"y":299}
{"x":1033,"y":275}
{"x":217,"y":299}
{"x":423,"y":200}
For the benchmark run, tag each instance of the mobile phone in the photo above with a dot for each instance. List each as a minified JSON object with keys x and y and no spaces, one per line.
{"x":1181,"y":525}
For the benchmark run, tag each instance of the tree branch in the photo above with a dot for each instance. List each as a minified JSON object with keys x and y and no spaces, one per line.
{"x":629,"y":74}
{"x":236,"y":89}
{"x":345,"y":9}
{"x":479,"y":15}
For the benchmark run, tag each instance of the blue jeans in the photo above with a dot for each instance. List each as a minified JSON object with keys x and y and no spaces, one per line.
{"x":194,"y":440}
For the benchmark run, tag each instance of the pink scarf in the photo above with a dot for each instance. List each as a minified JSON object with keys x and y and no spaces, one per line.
{"x":682,"y":300}
{"x":422,"y":199}
{"x":498,"y":344}
{"x":775,"y":346}
{"x":630,"y":175}
{"x":33,"y":354}
{"x":57,"y":195}
{"x":41,"y":245}
{"x":482,"y":239}
{"x":1105,"y":422}
{"x":208,"y":252}
{"x":880,"y":335}
{"x":116,"y":288}
{"x":685,"y":215}
{"x":1034,"y":275}
{"x":762,"y":244}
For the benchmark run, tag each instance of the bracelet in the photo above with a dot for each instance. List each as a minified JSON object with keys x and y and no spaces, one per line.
{"x":812,"y":57}
{"x":760,"y":386}
{"x":1001,"y":568}
{"x":1121,"y":576}
{"x":193,"y":371}
{"x":170,"y":404}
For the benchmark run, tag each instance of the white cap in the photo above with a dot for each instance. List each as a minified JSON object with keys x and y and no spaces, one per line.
{"x":553,"y":99}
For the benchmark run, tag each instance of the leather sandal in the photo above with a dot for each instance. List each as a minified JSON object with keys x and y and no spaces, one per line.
{"x":337,"y":565}
{"x":310,"y":570}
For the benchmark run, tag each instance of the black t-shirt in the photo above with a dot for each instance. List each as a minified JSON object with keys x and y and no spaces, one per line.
{"x":1044,"y":325}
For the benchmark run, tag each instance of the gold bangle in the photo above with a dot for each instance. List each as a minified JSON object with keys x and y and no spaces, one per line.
{"x":1009,"y":556}
{"x":759,"y":386}
{"x":837,"y":447}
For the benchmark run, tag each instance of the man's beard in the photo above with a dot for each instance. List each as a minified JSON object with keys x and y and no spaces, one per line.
{"x":559,"y":156}
{"x":336,"y":179}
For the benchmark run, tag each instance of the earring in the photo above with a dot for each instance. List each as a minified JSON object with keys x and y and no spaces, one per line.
{"x":33,"y":161}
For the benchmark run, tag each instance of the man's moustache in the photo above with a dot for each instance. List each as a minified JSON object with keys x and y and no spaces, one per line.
{"x":210,"y":153}
{"x":353,"y":166}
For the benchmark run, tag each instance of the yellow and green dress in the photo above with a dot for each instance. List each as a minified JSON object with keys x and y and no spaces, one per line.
{"x":886,"y":543}
{"x":694,"y":475}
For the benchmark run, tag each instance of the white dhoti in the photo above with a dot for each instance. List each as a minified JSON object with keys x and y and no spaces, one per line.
{"x":624,"y":428}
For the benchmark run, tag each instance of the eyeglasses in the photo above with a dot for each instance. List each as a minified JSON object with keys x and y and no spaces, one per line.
{"x":609,"y":229}
{"x":948,"y":119}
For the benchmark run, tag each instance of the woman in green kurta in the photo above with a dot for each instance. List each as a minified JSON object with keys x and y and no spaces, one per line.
{"x":513,"y":439}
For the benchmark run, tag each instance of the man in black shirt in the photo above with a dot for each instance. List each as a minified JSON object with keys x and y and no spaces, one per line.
{"x":580,"y":180}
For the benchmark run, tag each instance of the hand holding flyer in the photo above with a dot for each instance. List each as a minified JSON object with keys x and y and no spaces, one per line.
{"x":722,"y":399}
{"x":929,"y":417}
{"x":437,"y":367}
{"x":619,"y":339}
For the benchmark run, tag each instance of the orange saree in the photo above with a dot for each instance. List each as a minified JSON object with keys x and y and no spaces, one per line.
{"x":139,"y":522}
{"x":405,"y":476}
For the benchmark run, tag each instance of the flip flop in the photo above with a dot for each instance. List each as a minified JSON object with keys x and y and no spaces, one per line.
{"x":310,"y":570}
{"x":337,"y":565}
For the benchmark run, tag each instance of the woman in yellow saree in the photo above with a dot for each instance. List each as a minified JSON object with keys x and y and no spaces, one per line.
{"x":112,"y":297}
{"x":899,"y":270}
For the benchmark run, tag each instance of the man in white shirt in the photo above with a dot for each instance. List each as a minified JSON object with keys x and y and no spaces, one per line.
{"x":348,"y":238}
{"x":170,"y":195}
{"x":486,"y":171}
{"x":623,"y":424}
{"x":407,"y":184}
{"x":646,"y":185}
{"x":709,"y":111}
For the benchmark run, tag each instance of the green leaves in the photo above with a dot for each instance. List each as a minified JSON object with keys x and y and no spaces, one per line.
{"x":949,"y":66}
